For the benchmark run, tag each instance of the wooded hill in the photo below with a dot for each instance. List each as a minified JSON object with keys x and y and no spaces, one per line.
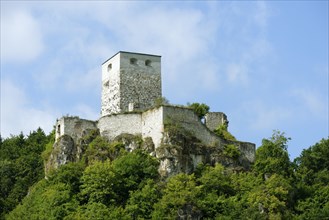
{"x":110,"y":183}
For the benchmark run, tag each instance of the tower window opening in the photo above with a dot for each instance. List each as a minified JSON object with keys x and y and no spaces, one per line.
{"x":133,"y":61}
{"x":148,"y":62}
{"x":59,"y":129}
{"x":106,"y":84}
{"x":109,"y":67}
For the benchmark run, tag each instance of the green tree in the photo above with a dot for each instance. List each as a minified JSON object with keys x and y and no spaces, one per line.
{"x":98,"y":184}
{"x":272,"y":156}
{"x":311,"y":179}
{"x":141,"y":201}
{"x":11,"y":148}
{"x":21,"y":166}
{"x":110,"y":182}
{"x":132,"y":172}
{"x":222,"y":132}
{"x":45,"y":201}
{"x":243,"y":183}
{"x":215,"y":188}
{"x":313,"y":160}
{"x":271,"y":197}
{"x":200,"y":109}
{"x":69,"y":174}
{"x":94,"y":210}
{"x":179,"y":197}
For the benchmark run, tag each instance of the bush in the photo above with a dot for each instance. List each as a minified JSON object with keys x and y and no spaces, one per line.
{"x":200,"y":109}
{"x":232,"y":151}
{"x":222,"y":132}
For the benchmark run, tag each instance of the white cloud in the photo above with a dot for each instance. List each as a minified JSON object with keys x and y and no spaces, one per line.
{"x":50,"y":75}
{"x":84,"y":80}
{"x":85,"y":111}
{"x":262,"y":15}
{"x":181,"y":35}
{"x":17,"y":114}
{"x":237,"y":73}
{"x":21,"y":37}
{"x":262,"y":115}
{"x":311,"y":100}
{"x":186,"y":37}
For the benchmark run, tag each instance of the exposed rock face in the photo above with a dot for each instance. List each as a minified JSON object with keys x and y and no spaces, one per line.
{"x":133,"y":142}
{"x":182,"y":152}
{"x":64,"y":151}
{"x":184,"y":143}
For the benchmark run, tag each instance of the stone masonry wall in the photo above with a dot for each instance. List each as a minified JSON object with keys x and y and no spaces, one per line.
{"x":148,"y":124}
{"x":140,"y":82}
{"x":214,"y":119}
{"x":190,"y":121}
{"x":152,"y":125}
{"x":130,"y":79}
{"x":111,"y":86}
{"x":112,"y":126}
{"x":74,"y":127}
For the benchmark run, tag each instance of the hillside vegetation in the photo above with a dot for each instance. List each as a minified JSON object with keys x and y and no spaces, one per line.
{"x":110,"y":183}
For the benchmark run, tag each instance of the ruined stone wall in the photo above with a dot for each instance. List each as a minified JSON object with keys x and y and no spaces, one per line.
{"x":214,"y":119}
{"x":112,"y":126}
{"x":74,"y":127}
{"x":190,"y":121}
{"x":147,"y":124}
{"x":152,"y":125}
{"x":248,"y":149}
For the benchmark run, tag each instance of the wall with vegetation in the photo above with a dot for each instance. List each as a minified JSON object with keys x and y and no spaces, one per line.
{"x":74,"y":127}
{"x":191,"y":122}
{"x":112,"y":126}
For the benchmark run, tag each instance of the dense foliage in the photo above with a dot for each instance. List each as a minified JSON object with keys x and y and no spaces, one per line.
{"x":110,"y":183}
{"x":21,"y":166}
{"x":200,"y":109}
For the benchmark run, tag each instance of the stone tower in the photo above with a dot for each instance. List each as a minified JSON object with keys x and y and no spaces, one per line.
{"x":130,"y":82}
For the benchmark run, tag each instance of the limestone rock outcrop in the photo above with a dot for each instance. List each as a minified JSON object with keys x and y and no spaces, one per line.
{"x":64,"y":151}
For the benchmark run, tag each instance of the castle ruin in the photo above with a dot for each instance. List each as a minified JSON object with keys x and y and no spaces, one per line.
{"x":131,"y":85}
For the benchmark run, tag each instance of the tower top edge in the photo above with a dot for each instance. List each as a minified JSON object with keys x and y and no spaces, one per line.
{"x":126,"y":52}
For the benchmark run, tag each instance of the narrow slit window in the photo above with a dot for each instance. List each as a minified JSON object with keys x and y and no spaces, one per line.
{"x":59,"y":129}
{"x":109,"y":67}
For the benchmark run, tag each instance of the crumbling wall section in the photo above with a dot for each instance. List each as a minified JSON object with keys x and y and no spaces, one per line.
{"x":111,"y":126}
{"x":74,"y":127}
{"x":191,"y":122}
{"x":215,"y":119}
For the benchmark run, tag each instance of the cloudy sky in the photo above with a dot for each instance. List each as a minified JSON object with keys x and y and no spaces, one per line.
{"x":265,"y":64}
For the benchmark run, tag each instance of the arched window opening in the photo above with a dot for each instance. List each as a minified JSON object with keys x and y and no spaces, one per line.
{"x":133,"y":61}
{"x":148,"y":62}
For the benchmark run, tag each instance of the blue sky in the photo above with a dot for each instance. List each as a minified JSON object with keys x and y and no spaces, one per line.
{"x":265,"y":64}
